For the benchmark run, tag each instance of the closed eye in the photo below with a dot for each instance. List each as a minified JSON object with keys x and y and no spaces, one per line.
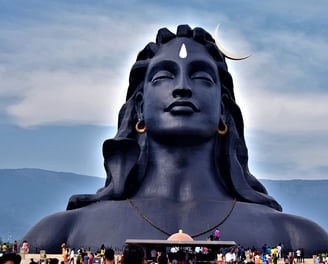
{"x":201,"y":75}
{"x":162,"y":75}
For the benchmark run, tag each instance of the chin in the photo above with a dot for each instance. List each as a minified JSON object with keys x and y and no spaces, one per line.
{"x":182,"y":136}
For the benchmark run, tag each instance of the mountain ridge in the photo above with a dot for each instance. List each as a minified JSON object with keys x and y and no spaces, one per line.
{"x":31,"y":194}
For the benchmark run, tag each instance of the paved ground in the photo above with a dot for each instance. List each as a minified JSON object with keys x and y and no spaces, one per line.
{"x":27,"y":258}
{"x":36,"y":257}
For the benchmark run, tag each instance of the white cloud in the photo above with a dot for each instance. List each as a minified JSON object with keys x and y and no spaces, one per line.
{"x":85,"y":97}
{"x":282,"y":95}
{"x":76,"y":73}
{"x":280,"y":87}
{"x":286,"y":113}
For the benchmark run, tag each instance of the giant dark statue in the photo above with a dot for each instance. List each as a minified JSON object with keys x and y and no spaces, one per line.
{"x":178,"y":161}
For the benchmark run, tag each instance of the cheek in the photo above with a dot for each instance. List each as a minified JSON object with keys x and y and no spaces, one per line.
{"x":155,"y":100}
{"x":216,"y":101}
{"x":152,"y":110}
{"x":211,"y":103}
{"x":212,"y":111}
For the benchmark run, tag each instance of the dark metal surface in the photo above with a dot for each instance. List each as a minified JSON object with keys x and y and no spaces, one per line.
{"x":178,"y":171}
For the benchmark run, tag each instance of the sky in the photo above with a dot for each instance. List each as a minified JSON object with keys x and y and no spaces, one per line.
{"x":64,"y":68}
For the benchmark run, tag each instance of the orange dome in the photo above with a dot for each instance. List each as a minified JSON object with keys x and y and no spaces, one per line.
{"x":180,"y":236}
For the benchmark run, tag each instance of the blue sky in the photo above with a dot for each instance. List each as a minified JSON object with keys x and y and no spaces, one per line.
{"x":64,"y":69}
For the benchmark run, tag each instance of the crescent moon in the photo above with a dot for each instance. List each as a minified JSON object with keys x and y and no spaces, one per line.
{"x":226,"y":53}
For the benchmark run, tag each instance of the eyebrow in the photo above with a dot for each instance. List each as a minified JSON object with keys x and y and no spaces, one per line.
{"x":195,"y":65}
{"x":163,"y":64}
{"x":200,"y":65}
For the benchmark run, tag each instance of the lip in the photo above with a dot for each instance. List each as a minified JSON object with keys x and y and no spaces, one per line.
{"x":182,"y":106}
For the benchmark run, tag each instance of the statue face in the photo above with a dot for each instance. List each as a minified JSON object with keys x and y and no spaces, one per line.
{"x":182,"y":93}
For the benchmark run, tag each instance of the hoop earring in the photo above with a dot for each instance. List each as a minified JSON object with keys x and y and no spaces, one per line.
{"x":224,"y":131}
{"x":138,"y":129}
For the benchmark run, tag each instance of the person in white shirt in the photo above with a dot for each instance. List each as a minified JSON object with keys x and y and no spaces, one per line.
{"x":230,"y":257}
{"x":71,"y":256}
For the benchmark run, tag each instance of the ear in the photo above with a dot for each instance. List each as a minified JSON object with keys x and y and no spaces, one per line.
{"x":224,"y":102}
{"x":139,"y":105}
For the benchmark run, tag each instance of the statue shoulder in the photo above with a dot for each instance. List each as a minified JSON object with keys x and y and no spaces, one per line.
{"x":45,"y":232}
{"x":302,"y":232}
{"x":294,"y":231}
{"x":294,"y":224}
{"x":78,"y":226}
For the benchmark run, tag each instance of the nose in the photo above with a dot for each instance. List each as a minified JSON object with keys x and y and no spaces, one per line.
{"x":182,"y":92}
{"x":182,"y":89}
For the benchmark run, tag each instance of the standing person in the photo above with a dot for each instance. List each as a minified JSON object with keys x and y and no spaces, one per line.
{"x":275,"y":259}
{"x":230,"y":257}
{"x":268,"y":259}
{"x":258,"y":259}
{"x":72,"y":256}
{"x":298,"y":255}
{"x":109,"y":256}
{"x":4,"y":248}
{"x":64,"y":253}
{"x":15,"y":246}
{"x":291,"y":258}
{"x":102,"y":250}
{"x":153,"y":254}
{"x":219,"y":258}
{"x":25,"y":247}
{"x":85,"y":258}
{"x":279,"y":247}
{"x":302,"y":255}
{"x":264,"y":249}
{"x":79,"y":258}
{"x":217,"y":234}
{"x":91,"y":258}
{"x":249,"y":256}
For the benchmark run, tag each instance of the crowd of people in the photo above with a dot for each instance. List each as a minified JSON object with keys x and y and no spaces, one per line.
{"x":134,"y":254}
{"x":103,"y":255}
{"x":14,"y":247}
{"x":176,"y":255}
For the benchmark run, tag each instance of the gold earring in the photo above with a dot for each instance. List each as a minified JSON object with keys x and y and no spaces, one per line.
{"x":224,"y":131}
{"x":140,"y":130}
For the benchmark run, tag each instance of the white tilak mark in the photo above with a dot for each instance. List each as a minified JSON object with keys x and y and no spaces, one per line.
{"x":183,"y":51}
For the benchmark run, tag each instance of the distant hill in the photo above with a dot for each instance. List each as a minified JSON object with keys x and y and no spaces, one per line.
{"x":30,"y":194}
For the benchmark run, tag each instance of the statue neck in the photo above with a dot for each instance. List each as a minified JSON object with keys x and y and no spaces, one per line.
{"x":182,"y":173}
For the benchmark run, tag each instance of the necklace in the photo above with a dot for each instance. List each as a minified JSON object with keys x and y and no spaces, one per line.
{"x":149,"y":221}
